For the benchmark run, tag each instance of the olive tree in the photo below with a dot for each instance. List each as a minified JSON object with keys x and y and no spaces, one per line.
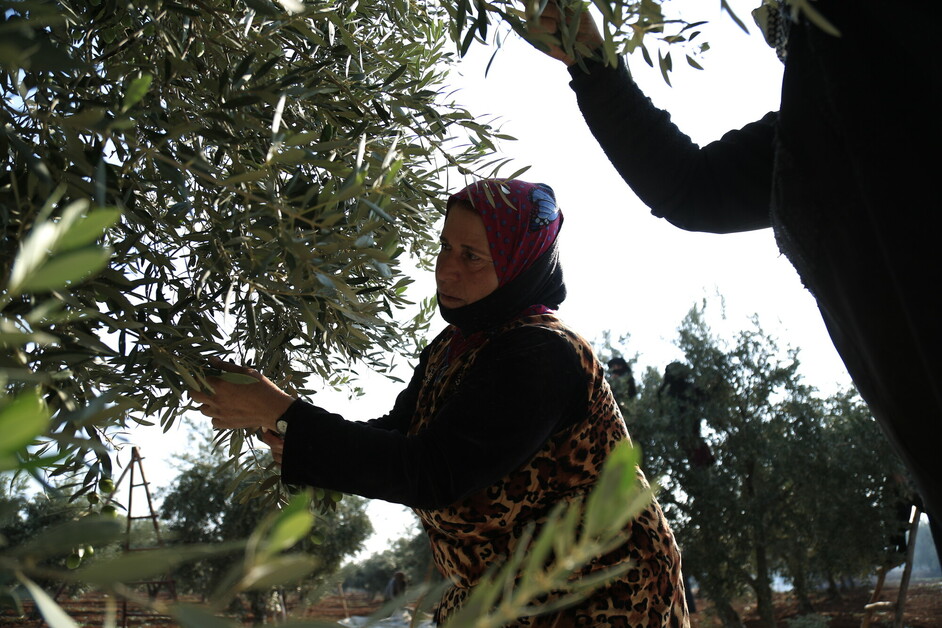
{"x":760,"y":473}
{"x":264,"y":174}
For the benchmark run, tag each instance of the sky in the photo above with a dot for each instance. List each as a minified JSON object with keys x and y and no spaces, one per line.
{"x":625,"y":270}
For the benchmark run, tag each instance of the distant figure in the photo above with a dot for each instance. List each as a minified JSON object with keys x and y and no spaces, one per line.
{"x":617,"y":367}
{"x":395,"y":587}
{"x":678,"y":385}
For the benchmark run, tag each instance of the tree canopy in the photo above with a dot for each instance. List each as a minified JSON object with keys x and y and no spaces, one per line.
{"x":760,"y":474}
{"x":199,"y":508}
{"x":271,"y":171}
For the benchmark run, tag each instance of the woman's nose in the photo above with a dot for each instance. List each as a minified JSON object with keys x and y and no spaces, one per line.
{"x":445,"y":266}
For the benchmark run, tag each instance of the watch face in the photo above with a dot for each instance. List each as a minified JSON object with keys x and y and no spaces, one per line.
{"x":282,"y":426}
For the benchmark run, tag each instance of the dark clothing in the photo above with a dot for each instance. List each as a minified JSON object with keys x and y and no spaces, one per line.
{"x":842,"y":174}
{"x":523,"y":389}
{"x":394,"y":588}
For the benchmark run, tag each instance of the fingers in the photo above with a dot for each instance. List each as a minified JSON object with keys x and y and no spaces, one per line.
{"x":199,"y":397}
{"x":271,"y":439}
{"x":240,"y":397}
{"x":550,"y":22}
{"x":231,"y":367}
{"x":275,"y":442}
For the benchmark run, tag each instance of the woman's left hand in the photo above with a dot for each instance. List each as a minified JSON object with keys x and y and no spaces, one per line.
{"x":276,"y":442}
{"x":234,"y":405}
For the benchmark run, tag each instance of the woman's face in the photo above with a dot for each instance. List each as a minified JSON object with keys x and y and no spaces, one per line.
{"x":465,"y":271}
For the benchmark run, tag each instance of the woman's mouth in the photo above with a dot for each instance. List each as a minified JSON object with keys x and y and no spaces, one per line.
{"x":449,"y":301}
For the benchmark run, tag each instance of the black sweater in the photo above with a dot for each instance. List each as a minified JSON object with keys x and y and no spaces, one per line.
{"x":523,"y":387}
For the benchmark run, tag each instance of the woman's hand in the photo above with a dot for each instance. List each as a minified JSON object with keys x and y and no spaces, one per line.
{"x":276,"y":442}
{"x":234,"y":404}
{"x":549,"y":23}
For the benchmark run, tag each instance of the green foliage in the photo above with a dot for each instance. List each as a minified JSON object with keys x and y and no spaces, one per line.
{"x":626,"y":26}
{"x":200,"y":509}
{"x":760,"y":474}
{"x":257,"y":176}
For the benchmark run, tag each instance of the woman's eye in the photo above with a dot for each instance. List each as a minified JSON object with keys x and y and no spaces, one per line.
{"x":471,"y":257}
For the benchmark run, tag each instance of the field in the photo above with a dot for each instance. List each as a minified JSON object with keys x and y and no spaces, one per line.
{"x":923,"y":610}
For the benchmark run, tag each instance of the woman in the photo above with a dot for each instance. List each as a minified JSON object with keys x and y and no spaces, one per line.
{"x":507,"y":413}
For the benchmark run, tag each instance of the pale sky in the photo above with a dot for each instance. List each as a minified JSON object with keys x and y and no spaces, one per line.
{"x":626,"y":271}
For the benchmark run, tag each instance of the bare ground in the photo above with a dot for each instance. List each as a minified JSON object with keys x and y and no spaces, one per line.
{"x":923,"y":609}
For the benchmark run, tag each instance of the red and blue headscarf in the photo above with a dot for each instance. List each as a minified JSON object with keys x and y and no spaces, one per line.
{"x":522,"y":222}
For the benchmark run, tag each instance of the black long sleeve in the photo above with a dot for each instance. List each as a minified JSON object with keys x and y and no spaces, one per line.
{"x":521,"y":389}
{"x":722,"y":187}
{"x":400,"y":417}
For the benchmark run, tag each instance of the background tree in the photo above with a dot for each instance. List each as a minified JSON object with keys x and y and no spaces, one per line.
{"x":846,"y":471}
{"x":409,"y":554}
{"x":761,"y":475}
{"x":200,"y":508}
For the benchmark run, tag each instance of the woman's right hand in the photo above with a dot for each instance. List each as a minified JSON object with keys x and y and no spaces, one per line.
{"x":276,"y":442}
{"x":549,"y":22}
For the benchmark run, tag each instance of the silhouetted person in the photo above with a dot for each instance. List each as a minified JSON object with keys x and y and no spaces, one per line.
{"x":678,"y":384}
{"x":841,"y":173}
{"x":395,"y":587}
{"x":618,"y":368}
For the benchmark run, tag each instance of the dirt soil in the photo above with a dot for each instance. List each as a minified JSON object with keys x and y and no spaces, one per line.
{"x":923,"y":610}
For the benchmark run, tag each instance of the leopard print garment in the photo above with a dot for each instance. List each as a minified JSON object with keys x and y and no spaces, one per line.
{"x":468,"y":536}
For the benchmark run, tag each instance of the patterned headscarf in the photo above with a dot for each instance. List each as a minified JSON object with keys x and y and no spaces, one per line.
{"x":522,"y":222}
{"x":521,"y":219}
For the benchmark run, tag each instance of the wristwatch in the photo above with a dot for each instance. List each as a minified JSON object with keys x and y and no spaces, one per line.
{"x":281,"y":425}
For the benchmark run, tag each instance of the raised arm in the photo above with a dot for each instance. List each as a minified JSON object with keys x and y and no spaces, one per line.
{"x":722,"y":187}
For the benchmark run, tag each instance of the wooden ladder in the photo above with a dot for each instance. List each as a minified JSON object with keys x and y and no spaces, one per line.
{"x":136,"y":468}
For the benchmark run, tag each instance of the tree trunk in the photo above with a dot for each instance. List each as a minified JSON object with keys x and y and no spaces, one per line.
{"x":762,"y":584}
{"x":763,"y":588}
{"x":799,"y":578}
{"x":727,"y":614}
{"x":833,"y":592}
